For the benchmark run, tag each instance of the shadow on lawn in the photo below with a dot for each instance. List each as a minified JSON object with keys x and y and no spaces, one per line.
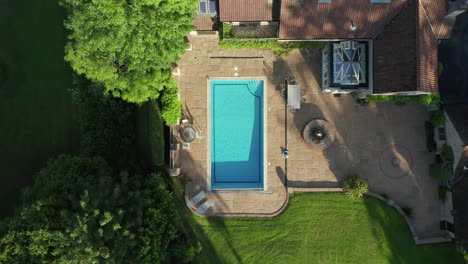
{"x":401,"y":247}
{"x":194,"y":232}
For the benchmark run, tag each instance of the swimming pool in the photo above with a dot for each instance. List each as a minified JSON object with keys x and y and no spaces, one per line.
{"x":237,"y":134}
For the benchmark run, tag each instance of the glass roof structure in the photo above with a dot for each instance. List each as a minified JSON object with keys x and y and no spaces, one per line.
{"x":349,"y":63}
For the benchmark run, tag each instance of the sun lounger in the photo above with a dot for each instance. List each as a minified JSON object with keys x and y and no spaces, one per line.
{"x":196,"y":200}
{"x":205,"y":206}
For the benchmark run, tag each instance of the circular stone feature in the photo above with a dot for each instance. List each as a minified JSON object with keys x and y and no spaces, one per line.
{"x":318,"y":134}
{"x":396,"y":161}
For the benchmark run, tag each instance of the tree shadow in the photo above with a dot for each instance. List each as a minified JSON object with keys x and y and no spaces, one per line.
{"x":194,"y":232}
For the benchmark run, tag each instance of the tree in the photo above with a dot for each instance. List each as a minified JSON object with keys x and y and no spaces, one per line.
{"x":77,"y":211}
{"x":128,"y":46}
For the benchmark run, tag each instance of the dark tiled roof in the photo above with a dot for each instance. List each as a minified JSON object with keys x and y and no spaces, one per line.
{"x":311,"y":20}
{"x":395,"y":54}
{"x":458,"y":115}
{"x":245,"y":10}
{"x":205,"y":23}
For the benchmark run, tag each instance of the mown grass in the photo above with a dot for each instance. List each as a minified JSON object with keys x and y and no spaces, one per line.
{"x":38,"y":118}
{"x":151,"y":134}
{"x":316,"y":228}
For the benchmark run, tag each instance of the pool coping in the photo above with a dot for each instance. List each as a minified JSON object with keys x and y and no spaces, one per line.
{"x":265,"y":137}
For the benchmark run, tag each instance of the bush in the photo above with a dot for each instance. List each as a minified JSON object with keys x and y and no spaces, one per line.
{"x":443,"y":189}
{"x":355,"y":186}
{"x":425,"y":99}
{"x":171,"y":109}
{"x":438,"y":118}
{"x":430,"y":142}
{"x":441,"y":174}
{"x":447,"y":153}
{"x":107,"y":124}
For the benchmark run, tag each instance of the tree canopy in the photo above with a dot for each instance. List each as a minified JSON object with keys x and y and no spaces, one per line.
{"x":128,"y":46}
{"x":77,"y":211}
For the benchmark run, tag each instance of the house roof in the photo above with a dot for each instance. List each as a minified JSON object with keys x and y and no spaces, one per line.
{"x":457,"y":114}
{"x":245,"y":10}
{"x":313,"y":20}
{"x":309,"y":19}
{"x":436,"y":11}
{"x":395,"y":54}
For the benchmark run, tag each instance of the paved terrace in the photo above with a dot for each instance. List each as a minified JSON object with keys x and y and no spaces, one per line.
{"x":367,"y":138}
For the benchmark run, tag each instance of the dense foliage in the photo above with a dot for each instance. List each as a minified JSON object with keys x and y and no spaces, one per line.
{"x":442,"y":169}
{"x":426,"y":99}
{"x":107,"y":123}
{"x":355,"y":186}
{"x":171,"y":109}
{"x":438,"y":118}
{"x":128,"y":46}
{"x":77,"y":211}
{"x":430,"y":141}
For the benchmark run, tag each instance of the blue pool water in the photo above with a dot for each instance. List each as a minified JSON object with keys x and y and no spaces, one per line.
{"x":236,"y":134}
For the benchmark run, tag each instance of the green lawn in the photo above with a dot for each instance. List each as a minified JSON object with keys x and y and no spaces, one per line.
{"x":316,"y":228}
{"x":150,"y":134}
{"x":38,"y":120}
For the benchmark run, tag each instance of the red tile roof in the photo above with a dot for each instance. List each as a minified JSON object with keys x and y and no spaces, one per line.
{"x":427,"y":59}
{"x":395,"y":54}
{"x":314,"y":20}
{"x":436,"y":11}
{"x":245,"y":10}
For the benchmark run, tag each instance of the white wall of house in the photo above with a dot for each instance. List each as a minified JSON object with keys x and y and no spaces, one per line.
{"x":454,"y":140}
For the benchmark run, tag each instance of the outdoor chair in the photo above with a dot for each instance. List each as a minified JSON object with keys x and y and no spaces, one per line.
{"x":186,"y":146}
{"x":196,"y":200}
{"x":199,"y":134}
{"x":205,"y":206}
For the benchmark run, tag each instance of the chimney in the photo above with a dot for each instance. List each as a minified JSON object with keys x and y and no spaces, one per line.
{"x":456,"y":7}
{"x":352,"y":27}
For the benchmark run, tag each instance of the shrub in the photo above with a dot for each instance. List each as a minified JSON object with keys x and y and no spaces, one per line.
{"x":438,"y":118}
{"x":355,"y":186}
{"x":441,"y":68}
{"x":171,"y":109}
{"x":226,"y":30}
{"x":426,"y":99}
{"x":443,"y":189}
{"x":447,"y":153}
{"x":430,"y":142}
{"x":408,"y":211}
{"x":441,"y":174}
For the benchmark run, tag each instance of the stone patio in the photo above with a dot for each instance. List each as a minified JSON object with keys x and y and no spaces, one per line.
{"x":382,"y":142}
